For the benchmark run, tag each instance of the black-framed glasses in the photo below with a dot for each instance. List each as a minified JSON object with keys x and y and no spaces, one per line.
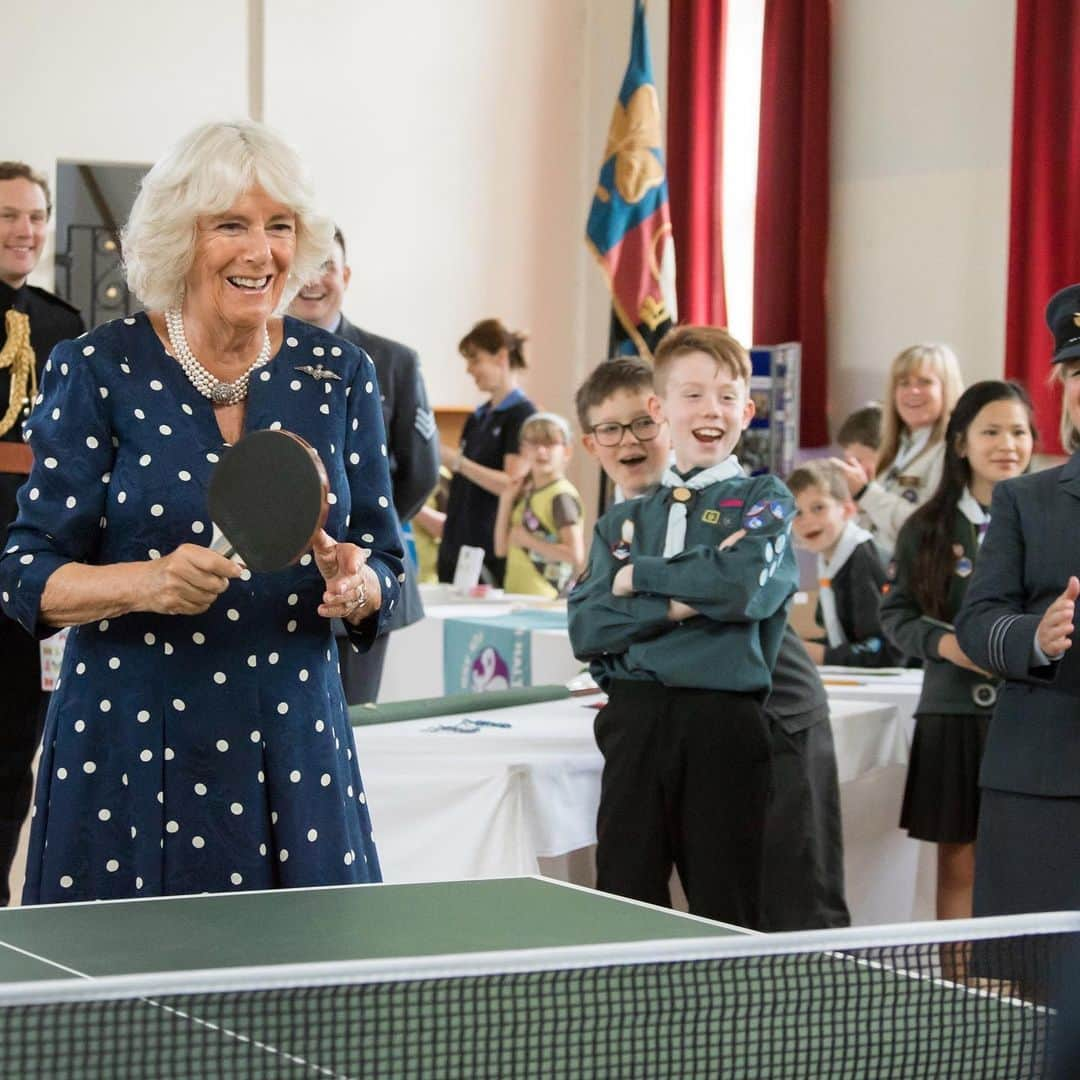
{"x":643,"y":428}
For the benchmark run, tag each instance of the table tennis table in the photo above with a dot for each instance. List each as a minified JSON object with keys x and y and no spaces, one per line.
{"x":500,"y":978}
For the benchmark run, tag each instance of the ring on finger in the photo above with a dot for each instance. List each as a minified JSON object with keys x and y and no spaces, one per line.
{"x":360,"y":599}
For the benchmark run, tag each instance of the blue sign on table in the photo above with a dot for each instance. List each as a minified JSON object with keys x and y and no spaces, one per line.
{"x":493,"y":653}
{"x":480,"y":656}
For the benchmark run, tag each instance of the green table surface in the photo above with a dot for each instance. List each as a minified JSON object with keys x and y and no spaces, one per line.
{"x":291,"y":926}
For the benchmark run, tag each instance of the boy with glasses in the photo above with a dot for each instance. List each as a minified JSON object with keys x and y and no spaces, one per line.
{"x":804,"y":869}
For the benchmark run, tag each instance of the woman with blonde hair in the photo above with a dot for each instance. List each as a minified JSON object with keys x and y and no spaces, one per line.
{"x":924,"y":385}
{"x":198,"y":739}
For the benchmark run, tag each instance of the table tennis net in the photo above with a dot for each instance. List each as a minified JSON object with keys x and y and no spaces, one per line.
{"x":968,"y":999}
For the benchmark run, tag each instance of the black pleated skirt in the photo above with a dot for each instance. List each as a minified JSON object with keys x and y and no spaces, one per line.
{"x":941,"y":797}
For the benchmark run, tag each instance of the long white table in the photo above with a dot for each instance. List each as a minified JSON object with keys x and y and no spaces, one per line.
{"x":503,"y":801}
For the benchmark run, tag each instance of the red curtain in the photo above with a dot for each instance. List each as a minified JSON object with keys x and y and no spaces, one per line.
{"x":791,"y":229}
{"x":694,"y":155}
{"x":1044,"y":222}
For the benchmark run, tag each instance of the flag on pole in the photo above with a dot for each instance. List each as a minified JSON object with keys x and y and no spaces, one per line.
{"x":629,"y":227}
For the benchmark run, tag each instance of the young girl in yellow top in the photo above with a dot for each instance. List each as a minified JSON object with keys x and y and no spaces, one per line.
{"x":539,"y":528}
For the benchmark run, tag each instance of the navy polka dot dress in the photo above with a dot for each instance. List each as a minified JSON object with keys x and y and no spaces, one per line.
{"x":194,"y":753}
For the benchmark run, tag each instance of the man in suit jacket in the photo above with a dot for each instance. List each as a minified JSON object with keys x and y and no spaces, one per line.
{"x":412,"y":444}
{"x":24,"y":217}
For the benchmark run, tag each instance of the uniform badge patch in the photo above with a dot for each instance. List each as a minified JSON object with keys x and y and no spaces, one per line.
{"x":753,"y":519}
{"x":910,"y":494}
{"x":621,"y":548}
{"x":963,"y":567}
{"x":711,"y":517}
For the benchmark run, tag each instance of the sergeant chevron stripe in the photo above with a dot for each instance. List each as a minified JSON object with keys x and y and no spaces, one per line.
{"x":424,"y":422}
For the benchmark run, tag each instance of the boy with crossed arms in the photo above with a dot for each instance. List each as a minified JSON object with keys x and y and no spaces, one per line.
{"x":804,"y":848}
{"x":680,"y":612}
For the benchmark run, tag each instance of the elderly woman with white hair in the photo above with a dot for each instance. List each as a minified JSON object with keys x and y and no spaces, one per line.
{"x":198,"y":738}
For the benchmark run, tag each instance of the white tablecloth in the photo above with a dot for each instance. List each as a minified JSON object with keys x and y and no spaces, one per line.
{"x":447,"y":805}
{"x":414,"y":656}
{"x":900,"y":688}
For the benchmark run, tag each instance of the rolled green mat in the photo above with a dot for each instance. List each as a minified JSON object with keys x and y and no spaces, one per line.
{"x":418,"y":708}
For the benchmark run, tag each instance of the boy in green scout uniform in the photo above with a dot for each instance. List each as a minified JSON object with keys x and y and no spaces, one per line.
{"x":681,"y":611}
{"x":804,"y":850}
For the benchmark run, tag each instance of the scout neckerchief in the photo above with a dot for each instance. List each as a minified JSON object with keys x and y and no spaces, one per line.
{"x":850,"y":539}
{"x":911,"y":446}
{"x":682,"y":490}
{"x":970,"y":507}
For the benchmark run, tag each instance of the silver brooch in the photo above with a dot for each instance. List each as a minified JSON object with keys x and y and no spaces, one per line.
{"x":317,"y":372}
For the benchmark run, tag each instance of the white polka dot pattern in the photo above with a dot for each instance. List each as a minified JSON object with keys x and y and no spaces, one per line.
{"x":223,"y":735}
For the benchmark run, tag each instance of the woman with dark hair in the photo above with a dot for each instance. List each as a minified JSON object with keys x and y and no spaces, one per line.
{"x":487,"y":460}
{"x":989,"y":438}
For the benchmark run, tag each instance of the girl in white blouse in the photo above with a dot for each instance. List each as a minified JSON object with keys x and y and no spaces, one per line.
{"x":924,"y":384}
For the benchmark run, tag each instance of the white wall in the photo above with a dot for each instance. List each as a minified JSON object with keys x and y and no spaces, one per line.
{"x":922,"y":116}
{"x":116,"y":80}
{"x":446,"y":138}
{"x":459,"y":145}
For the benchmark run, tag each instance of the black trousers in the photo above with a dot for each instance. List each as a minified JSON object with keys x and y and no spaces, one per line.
{"x":361,"y":673}
{"x":22,"y":711}
{"x":686,"y":782}
{"x":804,"y":846}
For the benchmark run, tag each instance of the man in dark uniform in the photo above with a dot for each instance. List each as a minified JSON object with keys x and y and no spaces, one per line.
{"x":412,"y":445}
{"x":32,"y":321}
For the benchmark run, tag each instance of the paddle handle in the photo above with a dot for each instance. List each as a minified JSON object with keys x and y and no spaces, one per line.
{"x":221,"y":543}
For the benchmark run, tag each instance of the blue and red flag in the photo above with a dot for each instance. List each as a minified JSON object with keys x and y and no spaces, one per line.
{"x":629,"y":227}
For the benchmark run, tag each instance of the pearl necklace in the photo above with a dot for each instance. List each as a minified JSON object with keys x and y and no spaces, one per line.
{"x":220,"y":393}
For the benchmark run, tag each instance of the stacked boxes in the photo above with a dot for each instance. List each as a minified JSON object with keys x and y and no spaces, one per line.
{"x":771,"y":442}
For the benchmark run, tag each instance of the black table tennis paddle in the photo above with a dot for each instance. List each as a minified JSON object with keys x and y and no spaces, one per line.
{"x":268,"y":497}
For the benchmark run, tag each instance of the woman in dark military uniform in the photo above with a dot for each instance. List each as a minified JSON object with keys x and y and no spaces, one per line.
{"x":989,"y":438}
{"x":1017,"y":621}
